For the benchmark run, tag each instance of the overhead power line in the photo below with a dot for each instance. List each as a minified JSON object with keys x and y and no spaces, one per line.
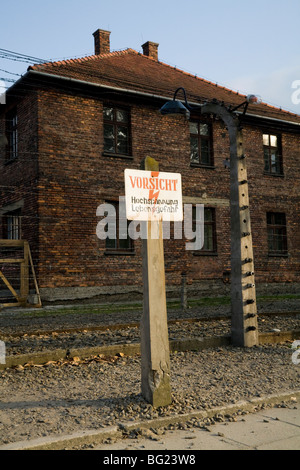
{"x":10,"y":73}
{"x":17,"y":56}
{"x":8,"y":79}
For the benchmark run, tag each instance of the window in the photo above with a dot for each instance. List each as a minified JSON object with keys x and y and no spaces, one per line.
{"x":272,"y":154}
{"x":200,"y":139}
{"x":210,"y":239}
{"x":277,"y":235}
{"x":12,"y":225}
{"x":122,"y":243}
{"x":210,"y":244}
{"x":12,"y":135}
{"x":116,"y":131}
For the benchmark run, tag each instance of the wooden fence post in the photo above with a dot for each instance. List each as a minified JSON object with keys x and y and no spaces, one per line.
{"x":155,"y":355}
{"x":24,"y":277}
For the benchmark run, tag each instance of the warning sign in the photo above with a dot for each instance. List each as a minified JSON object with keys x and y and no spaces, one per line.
{"x":153,"y":195}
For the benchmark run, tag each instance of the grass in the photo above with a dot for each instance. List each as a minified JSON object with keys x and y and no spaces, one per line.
{"x":78,"y":309}
{"x":137,"y":306}
{"x":119,"y":307}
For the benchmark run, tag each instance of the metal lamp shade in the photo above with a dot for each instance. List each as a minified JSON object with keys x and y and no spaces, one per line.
{"x":175,"y":107}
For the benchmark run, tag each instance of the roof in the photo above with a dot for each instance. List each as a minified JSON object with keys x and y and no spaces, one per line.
{"x":137,"y":72}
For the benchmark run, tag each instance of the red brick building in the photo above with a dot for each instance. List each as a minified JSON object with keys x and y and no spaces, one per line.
{"x":74,"y":126}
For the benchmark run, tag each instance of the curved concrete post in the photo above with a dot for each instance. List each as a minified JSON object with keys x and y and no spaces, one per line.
{"x":244,"y":331}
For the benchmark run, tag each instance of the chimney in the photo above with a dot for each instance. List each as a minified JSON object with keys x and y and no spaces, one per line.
{"x":150,"y":49}
{"x":102,"y":42}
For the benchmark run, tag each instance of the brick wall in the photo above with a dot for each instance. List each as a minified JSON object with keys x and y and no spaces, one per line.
{"x":74,"y":178}
{"x":274,"y":194}
{"x":18,"y":178}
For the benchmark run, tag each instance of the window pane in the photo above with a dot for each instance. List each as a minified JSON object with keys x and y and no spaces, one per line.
{"x":10,"y":227}
{"x":208,"y":238}
{"x":110,"y":244}
{"x":205,"y":151}
{"x":108,"y":146}
{"x":204,"y":130}
{"x":209,"y":229}
{"x":208,"y":215}
{"x":109,"y":138}
{"x":272,"y":158}
{"x":279,"y":218}
{"x":122,"y":148}
{"x":13,"y":225}
{"x":277,"y":236}
{"x":121,"y":115}
{"x":108,"y":114}
{"x":266,"y":160}
{"x":108,"y":131}
{"x":266,"y":139}
{"x":194,"y":150}
{"x":122,"y":133}
{"x":279,"y":239}
{"x":124,"y":244}
{"x":271,"y":240}
{"x":275,"y":163}
{"x":200,"y":146}
{"x":116,"y":136}
{"x":193,"y":127}
{"x":122,"y":140}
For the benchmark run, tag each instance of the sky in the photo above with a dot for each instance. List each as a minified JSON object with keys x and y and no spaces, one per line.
{"x":247,"y":46}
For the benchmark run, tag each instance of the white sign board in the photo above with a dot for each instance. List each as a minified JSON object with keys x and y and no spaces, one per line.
{"x":153,"y":195}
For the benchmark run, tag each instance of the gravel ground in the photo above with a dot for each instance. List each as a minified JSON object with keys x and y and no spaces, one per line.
{"x":54,"y":330}
{"x":62,"y":398}
{"x":25,"y":320}
{"x":186,"y":329}
{"x":68,"y":396}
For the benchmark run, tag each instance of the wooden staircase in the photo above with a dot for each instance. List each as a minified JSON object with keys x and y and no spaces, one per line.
{"x":22,"y":256}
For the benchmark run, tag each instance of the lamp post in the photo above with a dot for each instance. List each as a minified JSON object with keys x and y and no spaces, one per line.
{"x":244,"y":331}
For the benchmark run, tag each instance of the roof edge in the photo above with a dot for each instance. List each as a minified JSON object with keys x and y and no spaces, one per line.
{"x":37,"y":67}
{"x":81,"y":59}
{"x":149,"y":95}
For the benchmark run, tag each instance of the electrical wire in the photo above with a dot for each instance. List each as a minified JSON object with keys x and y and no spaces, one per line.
{"x":11,"y":55}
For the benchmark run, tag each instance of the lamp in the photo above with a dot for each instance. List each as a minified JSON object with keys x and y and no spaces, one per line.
{"x":254,"y":99}
{"x":250,"y":99}
{"x":176,"y":107}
